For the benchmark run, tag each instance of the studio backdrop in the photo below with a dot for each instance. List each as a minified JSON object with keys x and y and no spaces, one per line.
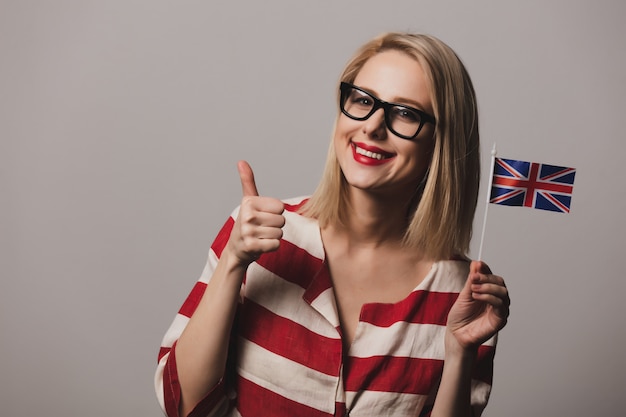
{"x":121,"y":123}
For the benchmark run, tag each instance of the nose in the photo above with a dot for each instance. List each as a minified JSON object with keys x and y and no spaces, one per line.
{"x":375,"y":126}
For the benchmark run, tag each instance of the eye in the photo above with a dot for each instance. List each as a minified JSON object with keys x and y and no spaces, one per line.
{"x":406,"y":115}
{"x":360,"y":99}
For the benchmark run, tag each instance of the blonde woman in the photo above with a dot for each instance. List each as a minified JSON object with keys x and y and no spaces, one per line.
{"x":357,"y":301}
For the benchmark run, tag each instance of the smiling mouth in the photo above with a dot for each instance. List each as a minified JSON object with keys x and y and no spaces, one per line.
{"x":370,"y":154}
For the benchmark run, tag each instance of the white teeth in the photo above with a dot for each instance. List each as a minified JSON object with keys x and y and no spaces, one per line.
{"x":369,"y":154}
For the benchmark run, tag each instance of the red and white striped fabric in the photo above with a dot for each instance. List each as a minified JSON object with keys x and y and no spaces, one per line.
{"x":287,"y":357}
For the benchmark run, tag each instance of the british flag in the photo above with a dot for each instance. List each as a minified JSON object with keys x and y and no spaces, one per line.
{"x":530,"y":184}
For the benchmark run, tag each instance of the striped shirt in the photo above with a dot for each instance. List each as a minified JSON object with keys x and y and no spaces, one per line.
{"x":286,"y":354}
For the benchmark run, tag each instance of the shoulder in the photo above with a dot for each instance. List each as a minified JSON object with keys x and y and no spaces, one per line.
{"x":449,"y":275}
{"x":300,"y":230}
{"x":294,"y":204}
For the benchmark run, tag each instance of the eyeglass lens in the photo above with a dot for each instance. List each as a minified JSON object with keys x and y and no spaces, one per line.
{"x":401,"y":120}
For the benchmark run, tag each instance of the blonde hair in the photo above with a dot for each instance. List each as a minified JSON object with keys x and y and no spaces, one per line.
{"x":441,"y":224}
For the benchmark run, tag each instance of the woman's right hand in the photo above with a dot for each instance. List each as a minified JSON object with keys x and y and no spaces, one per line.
{"x":258,"y":227}
{"x":202,"y":348}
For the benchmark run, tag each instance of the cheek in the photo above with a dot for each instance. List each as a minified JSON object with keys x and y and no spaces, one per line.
{"x":346,"y":126}
{"x":420,"y":158}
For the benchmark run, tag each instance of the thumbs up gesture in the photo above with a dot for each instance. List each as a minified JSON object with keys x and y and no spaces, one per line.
{"x":258,"y":228}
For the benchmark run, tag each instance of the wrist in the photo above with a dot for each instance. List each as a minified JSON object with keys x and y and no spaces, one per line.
{"x":232,"y":259}
{"x":227,"y":278}
{"x":457,"y":351}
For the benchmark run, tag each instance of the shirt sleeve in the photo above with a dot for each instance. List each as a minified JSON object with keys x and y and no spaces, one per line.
{"x":482,"y":377}
{"x":166,"y":381}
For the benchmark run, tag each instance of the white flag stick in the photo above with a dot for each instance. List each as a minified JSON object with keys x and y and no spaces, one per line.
{"x":482,"y":237}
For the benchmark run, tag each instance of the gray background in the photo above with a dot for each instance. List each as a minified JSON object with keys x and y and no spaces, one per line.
{"x":121,"y":123}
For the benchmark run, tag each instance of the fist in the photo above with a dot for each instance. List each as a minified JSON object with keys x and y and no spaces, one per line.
{"x":258,"y":227}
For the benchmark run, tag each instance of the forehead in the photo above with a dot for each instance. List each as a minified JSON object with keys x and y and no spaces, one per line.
{"x":394,"y":75}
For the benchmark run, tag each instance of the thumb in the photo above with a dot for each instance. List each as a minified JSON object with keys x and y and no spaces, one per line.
{"x":248,"y":186}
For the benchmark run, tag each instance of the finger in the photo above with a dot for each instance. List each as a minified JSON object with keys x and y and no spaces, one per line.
{"x":246,"y":175}
{"x":493,"y":289}
{"x":496,"y":295}
{"x":256,"y":210}
{"x":488,"y":279}
{"x":267,"y":245}
{"x":500,"y":308}
{"x":259,"y":218}
{"x":479,"y":267}
{"x":266,"y":233}
{"x":270,"y":205}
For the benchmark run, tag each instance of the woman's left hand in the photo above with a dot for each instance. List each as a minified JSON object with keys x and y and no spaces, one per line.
{"x":481,"y":309}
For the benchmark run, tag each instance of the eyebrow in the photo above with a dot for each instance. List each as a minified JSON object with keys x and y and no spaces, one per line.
{"x":396,"y":100}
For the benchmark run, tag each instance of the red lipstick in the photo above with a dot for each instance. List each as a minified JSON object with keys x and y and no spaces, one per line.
{"x":370,"y":155}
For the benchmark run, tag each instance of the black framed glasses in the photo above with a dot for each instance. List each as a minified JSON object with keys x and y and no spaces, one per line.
{"x":403,"y":121}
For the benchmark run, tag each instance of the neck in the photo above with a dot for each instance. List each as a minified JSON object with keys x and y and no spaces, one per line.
{"x":373,"y":220}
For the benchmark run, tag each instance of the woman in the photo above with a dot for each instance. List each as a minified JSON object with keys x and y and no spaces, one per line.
{"x":357,"y":301}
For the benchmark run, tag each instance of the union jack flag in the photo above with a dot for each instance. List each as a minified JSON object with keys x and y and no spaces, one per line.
{"x":529,"y":184}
